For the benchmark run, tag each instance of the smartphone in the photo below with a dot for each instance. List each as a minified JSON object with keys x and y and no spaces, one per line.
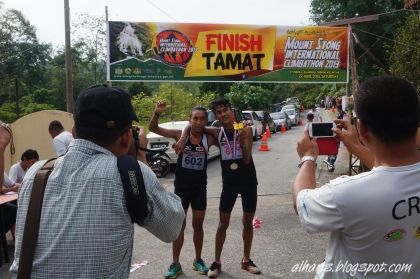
{"x":321,"y":129}
{"x":327,"y":146}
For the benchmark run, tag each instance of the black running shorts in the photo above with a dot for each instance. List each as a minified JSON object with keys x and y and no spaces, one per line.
{"x":248,"y":194}
{"x":196,"y":196}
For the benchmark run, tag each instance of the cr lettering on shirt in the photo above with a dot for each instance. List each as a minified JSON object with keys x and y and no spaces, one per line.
{"x":406,"y":205}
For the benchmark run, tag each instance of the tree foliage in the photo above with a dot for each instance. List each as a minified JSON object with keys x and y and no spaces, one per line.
{"x":180,"y":103}
{"x":371,"y":34}
{"x":406,"y":51}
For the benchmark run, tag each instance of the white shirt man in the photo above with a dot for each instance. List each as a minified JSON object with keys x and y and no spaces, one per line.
{"x":373,"y":217}
{"x":18,"y":170}
{"x":62,"y":142}
{"x":9,"y":185}
{"x":17,"y":173}
{"x":61,"y":138}
{"x":317,"y":116}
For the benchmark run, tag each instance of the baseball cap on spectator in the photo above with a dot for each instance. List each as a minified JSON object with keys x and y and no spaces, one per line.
{"x":103,"y":108}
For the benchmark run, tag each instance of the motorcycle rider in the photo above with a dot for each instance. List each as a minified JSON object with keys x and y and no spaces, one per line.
{"x":190,"y":181}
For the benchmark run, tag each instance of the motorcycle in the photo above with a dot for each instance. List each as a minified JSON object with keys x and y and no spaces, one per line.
{"x":158,"y":161}
{"x":157,"y":158}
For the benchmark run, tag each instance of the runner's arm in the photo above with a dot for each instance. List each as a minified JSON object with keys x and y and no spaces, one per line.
{"x":154,"y":123}
{"x":245,"y":140}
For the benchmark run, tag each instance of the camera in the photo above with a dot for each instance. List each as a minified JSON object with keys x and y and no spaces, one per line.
{"x":135,"y":131}
{"x":321,"y":129}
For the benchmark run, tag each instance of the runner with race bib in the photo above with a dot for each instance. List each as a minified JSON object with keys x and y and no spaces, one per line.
{"x":190,"y":181}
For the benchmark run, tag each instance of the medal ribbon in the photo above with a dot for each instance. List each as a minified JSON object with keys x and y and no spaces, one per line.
{"x":228,"y":143}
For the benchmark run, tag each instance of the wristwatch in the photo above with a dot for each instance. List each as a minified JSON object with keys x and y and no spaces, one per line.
{"x":306,"y":158}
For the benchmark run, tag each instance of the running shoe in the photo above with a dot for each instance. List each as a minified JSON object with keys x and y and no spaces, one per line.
{"x":214,"y":270}
{"x":250,"y":267}
{"x":200,"y":267}
{"x":173,"y":271}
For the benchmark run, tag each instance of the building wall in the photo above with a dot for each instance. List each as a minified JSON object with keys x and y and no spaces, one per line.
{"x":31,"y":131}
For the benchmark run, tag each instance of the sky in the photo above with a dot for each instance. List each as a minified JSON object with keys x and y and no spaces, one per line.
{"x":48,"y":15}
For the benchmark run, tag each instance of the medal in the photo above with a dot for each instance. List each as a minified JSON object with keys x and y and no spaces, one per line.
{"x":234,"y":166}
{"x":233,"y":150}
{"x":238,"y":126}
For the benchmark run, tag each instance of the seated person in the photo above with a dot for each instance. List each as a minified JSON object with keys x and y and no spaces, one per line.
{"x":9,"y":209}
{"x":18,"y":170}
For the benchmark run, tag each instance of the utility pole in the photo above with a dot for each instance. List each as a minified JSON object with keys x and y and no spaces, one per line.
{"x":69,"y":80}
{"x":107,"y":26}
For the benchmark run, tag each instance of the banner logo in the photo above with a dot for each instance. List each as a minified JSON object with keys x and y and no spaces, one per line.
{"x":173,"y":47}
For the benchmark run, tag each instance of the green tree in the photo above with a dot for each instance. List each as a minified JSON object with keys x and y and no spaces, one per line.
{"x":406,"y":51}
{"x":245,"y":96}
{"x":371,"y":34}
{"x":22,"y":58}
{"x":180,"y":101}
{"x":89,"y":35}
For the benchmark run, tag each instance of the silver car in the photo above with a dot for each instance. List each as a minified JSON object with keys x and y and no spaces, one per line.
{"x":281,"y":118}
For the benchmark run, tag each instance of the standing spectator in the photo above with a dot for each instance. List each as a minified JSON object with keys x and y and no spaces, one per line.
{"x":341,"y":113}
{"x":317,"y":115}
{"x":61,"y":138}
{"x":85,"y":230}
{"x":18,"y":170}
{"x":373,"y":216}
{"x":309,"y":119}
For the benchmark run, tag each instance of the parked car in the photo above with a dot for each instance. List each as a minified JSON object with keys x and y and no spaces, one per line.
{"x":293,"y":100}
{"x":291,"y":106}
{"x":281,"y":118}
{"x":266,"y":119}
{"x":294,"y":117}
{"x":157,"y":141}
{"x":278,"y":106}
{"x":257,"y":127}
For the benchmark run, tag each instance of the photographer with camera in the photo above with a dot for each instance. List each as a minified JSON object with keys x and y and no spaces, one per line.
{"x":372,"y":216}
{"x":86,"y":230}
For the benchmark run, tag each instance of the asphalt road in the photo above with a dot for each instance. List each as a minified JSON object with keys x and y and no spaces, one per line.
{"x":279,"y":244}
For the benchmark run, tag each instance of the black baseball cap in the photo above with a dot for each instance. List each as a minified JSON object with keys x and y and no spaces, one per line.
{"x":103,"y":108}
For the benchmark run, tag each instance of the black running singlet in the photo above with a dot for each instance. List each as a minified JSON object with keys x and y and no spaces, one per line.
{"x":191,"y":166}
{"x":231,"y":153}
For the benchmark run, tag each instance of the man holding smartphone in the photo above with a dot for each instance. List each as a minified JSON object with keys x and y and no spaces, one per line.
{"x":372,"y":216}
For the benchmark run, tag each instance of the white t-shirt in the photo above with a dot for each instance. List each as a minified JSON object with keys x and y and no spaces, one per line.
{"x":16,"y":173}
{"x":317,"y":116}
{"x":62,"y":142}
{"x":373,"y":217}
{"x":7,"y":182}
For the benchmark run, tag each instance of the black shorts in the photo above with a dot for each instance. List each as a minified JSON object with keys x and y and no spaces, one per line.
{"x":248,"y":194}
{"x":196,"y":196}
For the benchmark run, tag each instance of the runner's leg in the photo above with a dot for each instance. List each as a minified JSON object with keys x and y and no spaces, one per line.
{"x":198,"y":234}
{"x":249,"y":206}
{"x":247,"y":234}
{"x":224,"y":219}
{"x":179,"y":242}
